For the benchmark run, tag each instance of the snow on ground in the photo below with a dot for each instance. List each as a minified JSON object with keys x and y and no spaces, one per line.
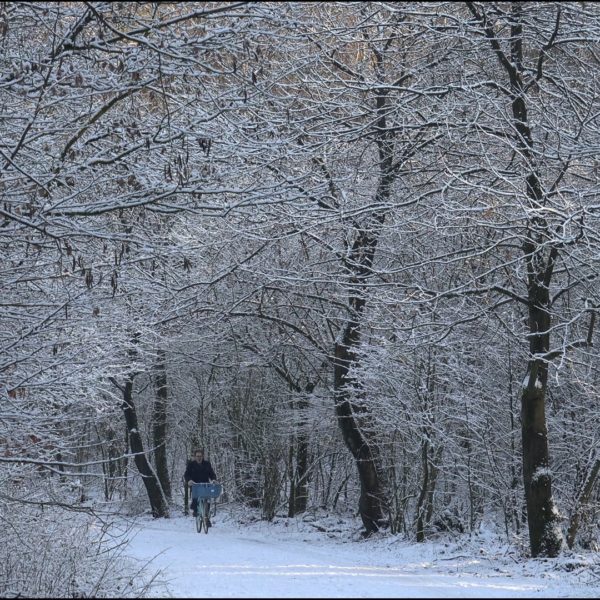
{"x":327,"y":558}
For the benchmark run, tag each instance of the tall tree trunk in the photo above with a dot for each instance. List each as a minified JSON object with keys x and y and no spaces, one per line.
{"x":545,"y":538}
{"x":158,"y":504}
{"x":425,"y":486}
{"x":299,"y":475}
{"x":301,"y":499}
{"x":125,"y":462}
{"x":159,"y":426}
{"x":298,"y":463}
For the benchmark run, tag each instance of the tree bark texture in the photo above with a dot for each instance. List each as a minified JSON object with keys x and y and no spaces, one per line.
{"x":299,"y":449}
{"x":299,"y":476}
{"x":159,"y":426}
{"x":371,"y":497}
{"x":544,"y":536}
{"x":158,"y":504}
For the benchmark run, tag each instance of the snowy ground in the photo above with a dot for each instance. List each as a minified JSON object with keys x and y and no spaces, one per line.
{"x":326,"y":558}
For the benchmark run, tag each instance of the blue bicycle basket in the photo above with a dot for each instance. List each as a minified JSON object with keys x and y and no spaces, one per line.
{"x":206,"y":490}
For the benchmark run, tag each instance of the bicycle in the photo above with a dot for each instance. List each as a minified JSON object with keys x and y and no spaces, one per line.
{"x":203,"y":492}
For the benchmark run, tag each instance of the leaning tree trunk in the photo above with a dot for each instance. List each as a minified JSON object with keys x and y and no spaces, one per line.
{"x":358,"y":265}
{"x":363,"y":450}
{"x":159,"y":426}
{"x":158,"y":504}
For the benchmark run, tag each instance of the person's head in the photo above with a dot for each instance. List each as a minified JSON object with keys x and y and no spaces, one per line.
{"x":199,"y":455}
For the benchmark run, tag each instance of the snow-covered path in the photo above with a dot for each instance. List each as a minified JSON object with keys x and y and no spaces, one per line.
{"x":262,"y":561}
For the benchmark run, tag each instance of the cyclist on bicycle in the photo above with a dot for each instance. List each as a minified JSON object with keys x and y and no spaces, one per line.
{"x":199,"y":471}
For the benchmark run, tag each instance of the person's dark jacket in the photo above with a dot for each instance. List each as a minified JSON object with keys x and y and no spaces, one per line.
{"x":199,"y":472}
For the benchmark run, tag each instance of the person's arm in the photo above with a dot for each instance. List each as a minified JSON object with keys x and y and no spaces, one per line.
{"x":211,"y":473}
{"x":187,"y":475}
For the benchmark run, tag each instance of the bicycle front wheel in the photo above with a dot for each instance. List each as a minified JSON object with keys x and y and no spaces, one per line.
{"x":199,"y":522}
{"x":204,"y":516}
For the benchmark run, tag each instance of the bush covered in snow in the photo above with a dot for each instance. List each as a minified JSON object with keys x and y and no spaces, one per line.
{"x":51,"y":552}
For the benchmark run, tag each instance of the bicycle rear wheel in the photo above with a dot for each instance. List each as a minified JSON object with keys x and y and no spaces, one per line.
{"x":198,"y":521}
